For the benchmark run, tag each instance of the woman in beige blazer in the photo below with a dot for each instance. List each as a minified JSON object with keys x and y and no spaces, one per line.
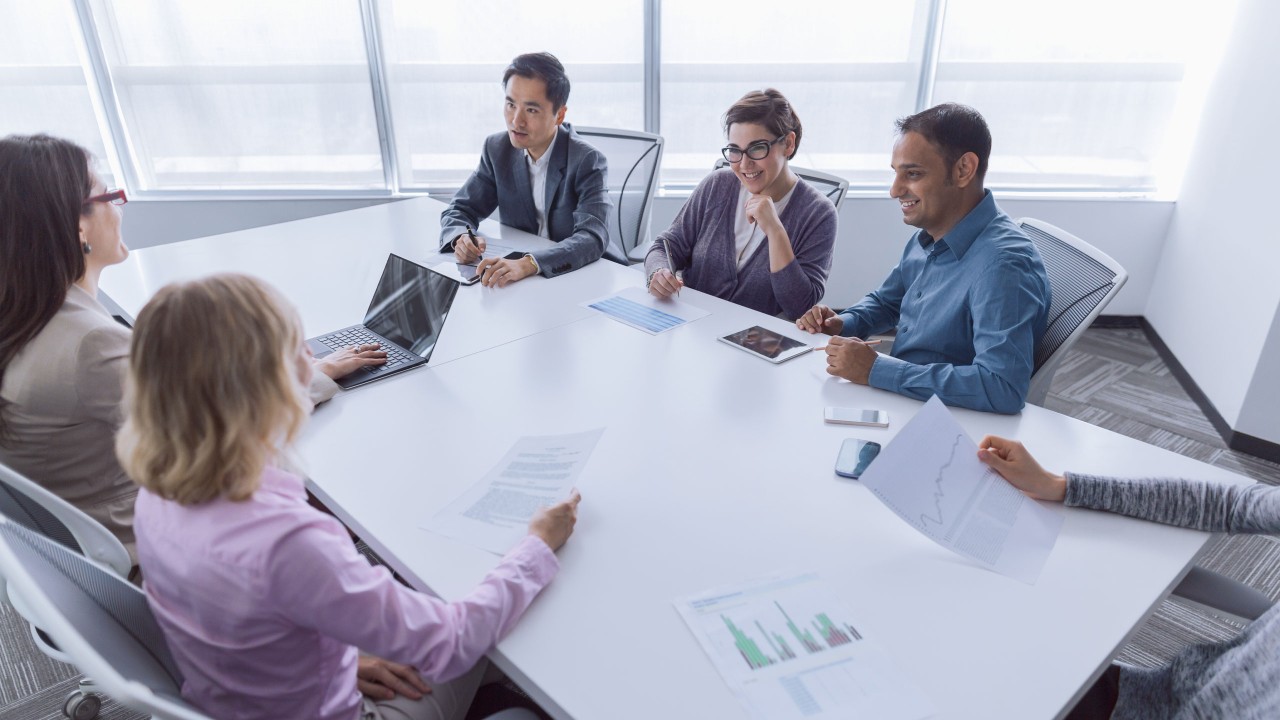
{"x":62,"y":355}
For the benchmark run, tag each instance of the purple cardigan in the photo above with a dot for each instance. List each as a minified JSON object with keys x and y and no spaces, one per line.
{"x":701,"y":243}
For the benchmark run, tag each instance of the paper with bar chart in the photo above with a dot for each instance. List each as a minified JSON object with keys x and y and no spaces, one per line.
{"x":787,"y":647}
{"x":642,"y":311}
{"x":930,"y":476}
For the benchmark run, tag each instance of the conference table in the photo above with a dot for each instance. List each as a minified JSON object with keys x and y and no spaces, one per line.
{"x":714,"y":467}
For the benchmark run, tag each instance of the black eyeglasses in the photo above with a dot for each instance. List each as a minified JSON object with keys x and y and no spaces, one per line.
{"x":757,"y":150}
{"x":115,"y":197}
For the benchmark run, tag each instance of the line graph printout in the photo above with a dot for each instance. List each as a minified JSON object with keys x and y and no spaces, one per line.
{"x":930,"y":476}
{"x":787,"y":647}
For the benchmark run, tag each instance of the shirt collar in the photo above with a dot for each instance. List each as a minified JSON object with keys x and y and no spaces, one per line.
{"x":541,"y":162}
{"x":968,"y":229}
{"x":80,"y":297}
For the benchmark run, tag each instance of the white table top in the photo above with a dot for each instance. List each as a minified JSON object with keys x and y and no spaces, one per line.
{"x":715,"y":467}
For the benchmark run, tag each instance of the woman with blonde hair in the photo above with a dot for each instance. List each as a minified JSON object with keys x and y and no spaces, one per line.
{"x":263,"y":599}
{"x":62,"y":356}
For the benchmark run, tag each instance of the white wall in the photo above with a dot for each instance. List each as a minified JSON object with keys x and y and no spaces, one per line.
{"x":156,"y":222}
{"x":872,"y":237}
{"x":1258,"y":416}
{"x":1215,"y":294}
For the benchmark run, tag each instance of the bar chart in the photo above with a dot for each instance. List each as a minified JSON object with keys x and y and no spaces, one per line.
{"x":787,"y":648}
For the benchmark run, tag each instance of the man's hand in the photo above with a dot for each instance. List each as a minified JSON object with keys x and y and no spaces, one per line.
{"x":382,"y":679}
{"x":500,"y":272}
{"x":851,"y":359}
{"x":349,"y":359}
{"x":466,"y":250}
{"x":663,"y":284}
{"x":821,"y":318}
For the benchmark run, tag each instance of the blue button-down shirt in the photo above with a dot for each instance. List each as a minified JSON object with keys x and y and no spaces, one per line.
{"x":969,"y":308}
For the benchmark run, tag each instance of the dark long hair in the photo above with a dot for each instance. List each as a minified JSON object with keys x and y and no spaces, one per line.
{"x":43,"y":184}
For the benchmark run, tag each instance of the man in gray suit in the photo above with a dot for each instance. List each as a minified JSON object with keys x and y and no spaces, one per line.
{"x":540,"y":176}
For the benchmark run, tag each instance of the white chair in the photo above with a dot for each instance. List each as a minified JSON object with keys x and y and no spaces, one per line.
{"x":833,"y":186}
{"x":633,"y":158}
{"x":32,"y":506}
{"x":1082,"y":280}
{"x":99,"y":619}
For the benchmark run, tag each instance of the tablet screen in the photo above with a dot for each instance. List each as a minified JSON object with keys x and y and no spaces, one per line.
{"x":763,"y":341}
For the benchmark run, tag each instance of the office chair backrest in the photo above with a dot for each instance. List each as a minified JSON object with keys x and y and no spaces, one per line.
{"x":34,"y":507}
{"x":98,"y":619}
{"x":634,"y":158}
{"x":1082,"y":281}
{"x":833,"y":186}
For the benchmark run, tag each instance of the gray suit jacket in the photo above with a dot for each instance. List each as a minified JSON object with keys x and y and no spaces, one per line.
{"x":577,"y":200}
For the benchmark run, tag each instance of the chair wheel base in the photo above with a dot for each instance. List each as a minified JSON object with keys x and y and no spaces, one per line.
{"x":81,"y":705}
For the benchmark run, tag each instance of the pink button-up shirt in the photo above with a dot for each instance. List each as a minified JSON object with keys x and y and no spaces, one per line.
{"x":264,"y":603}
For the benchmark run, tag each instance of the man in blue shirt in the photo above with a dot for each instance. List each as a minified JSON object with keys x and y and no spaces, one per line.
{"x":970,"y":297}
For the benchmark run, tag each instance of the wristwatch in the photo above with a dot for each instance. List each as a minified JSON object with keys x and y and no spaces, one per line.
{"x":533,"y":261}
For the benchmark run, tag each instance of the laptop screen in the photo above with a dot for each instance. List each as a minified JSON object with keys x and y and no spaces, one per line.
{"x":410,"y":305}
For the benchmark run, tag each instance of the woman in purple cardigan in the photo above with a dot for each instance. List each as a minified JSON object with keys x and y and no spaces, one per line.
{"x":752,"y":233}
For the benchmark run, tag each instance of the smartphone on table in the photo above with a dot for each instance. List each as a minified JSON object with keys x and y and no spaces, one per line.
{"x":857,"y":416}
{"x":855,"y":455}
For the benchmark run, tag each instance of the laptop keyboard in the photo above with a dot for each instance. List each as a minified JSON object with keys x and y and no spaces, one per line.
{"x":360,"y":336}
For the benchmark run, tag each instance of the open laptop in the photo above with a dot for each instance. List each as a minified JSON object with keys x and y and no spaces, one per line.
{"x":405,"y":317}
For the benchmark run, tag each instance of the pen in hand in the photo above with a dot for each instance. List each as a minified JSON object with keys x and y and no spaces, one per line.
{"x":868,"y":343}
{"x":477,"y":242}
{"x":671,"y":267}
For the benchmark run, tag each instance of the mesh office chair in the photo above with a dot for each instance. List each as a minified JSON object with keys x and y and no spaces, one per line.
{"x":834,"y":187}
{"x":30,"y":505}
{"x":1082,"y":280}
{"x":98,"y":619}
{"x":633,"y":158}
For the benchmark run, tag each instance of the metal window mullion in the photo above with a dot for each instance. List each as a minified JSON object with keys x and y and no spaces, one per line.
{"x":653,"y":66}
{"x":929,"y":60}
{"x":106,"y":103}
{"x":381,"y":95}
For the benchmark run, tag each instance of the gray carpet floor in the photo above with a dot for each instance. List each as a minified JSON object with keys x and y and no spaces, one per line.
{"x":1112,"y":378}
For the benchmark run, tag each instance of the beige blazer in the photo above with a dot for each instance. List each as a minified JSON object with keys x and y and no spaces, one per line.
{"x":64,"y":391}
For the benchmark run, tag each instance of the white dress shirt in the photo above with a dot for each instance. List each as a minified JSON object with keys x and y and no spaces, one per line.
{"x":538,"y":181}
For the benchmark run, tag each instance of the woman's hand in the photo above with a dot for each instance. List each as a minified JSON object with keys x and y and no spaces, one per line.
{"x":762,"y":212}
{"x":382,"y":679}
{"x":343,"y":362}
{"x":555,"y":524}
{"x":1015,"y":464}
{"x":663,"y":284}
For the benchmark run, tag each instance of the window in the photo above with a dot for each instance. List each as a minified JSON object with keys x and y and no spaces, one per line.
{"x":445,"y":62}
{"x":45,"y":90}
{"x":849,"y":69}
{"x":243,"y":93}
{"x":1078,"y":95}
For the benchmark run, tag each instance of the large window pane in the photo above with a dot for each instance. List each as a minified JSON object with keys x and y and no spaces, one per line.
{"x":1078,"y":95}
{"x":243,"y":93}
{"x":848,"y":68}
{"x":445,"y":62}
{"x":44,"y":85}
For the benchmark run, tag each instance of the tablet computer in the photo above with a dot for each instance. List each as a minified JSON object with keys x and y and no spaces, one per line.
{"x":766,"y":344}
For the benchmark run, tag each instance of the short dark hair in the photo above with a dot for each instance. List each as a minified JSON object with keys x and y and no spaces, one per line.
{"x":43,"y":185}
{"x":953,"y":129}
{"x":545,"y":67}
{"x":769,"y":108}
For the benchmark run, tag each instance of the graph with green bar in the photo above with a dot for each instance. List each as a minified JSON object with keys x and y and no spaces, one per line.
{"x":824,"y":635}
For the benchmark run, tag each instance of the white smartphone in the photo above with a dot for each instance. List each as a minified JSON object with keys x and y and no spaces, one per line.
{"x":857,"y":416}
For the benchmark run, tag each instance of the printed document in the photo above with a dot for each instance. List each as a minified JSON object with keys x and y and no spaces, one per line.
{"x":787,"y":648}
{"x":494,"y":513}
{"x":930,"y":476}
{"x":637,"y":308}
